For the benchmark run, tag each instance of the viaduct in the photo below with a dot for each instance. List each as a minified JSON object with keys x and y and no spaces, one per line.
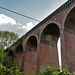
{"x":40,"y":43}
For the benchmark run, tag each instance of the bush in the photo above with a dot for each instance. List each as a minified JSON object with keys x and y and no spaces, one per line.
{"x":9,"y":71}
{"x":7,"y":65}
{"x":52,"y":71}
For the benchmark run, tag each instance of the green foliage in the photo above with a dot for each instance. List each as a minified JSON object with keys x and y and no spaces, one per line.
{"x":55,"y":71}
{"x":7,"y":65}
{"x":4,"y":58}
{"x":7,"y":38}
{"x":9,"y":71}
{"x":52,"y":71}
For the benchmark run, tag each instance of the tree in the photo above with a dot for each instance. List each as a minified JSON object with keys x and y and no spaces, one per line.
{"x":7,"y":65}
{"x":7,"y":38}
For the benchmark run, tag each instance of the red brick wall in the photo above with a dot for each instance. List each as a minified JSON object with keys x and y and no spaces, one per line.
{"x":30,"y":61}
{"x":19,"y":60}
{"x":34,"y":60}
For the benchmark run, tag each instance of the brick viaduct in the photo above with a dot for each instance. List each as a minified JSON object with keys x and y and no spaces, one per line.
{"x":40,"y":43}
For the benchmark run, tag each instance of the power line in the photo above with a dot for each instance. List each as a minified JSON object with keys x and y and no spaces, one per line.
{"x":19,"y":14}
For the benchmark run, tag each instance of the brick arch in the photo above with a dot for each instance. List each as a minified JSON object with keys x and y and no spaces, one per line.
{"x":27,"y":38}
{"x":68,"y":40}
{"x":68,"y":11}
{"x":70,"y":21}
{"x":48,"y":23}
{"x":31,"y":42}
{"x":48,"y":45}
{"x":30,"y":58}
{"x":19,"y":49}
{"x":19,"y":55}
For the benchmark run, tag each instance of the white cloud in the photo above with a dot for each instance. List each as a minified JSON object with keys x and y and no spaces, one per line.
{"x":28,"y":26}
{"x":9,"y":24}
{"x":5,"y":19}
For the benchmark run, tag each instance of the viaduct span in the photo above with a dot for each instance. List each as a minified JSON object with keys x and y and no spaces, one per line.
{"x":40,"y":43}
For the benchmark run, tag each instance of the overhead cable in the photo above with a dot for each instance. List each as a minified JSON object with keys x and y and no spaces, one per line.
{"x":19,"y":14}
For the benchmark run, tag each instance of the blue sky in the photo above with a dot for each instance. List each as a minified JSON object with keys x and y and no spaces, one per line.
{"x":38,"y":9}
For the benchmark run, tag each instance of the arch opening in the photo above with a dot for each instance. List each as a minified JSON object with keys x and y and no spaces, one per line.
{"x":49,"y":39}
{"x":69,"y":40}
{"x":50,"y":32}
{"x":31,"y":44}
{"x":19,"y":55}
{"x":19,"y":49}
{"x":30,"y":61}
{"x":70,"y":21}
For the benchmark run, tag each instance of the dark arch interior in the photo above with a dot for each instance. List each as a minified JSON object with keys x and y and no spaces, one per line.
{"x":69,"y":39}
{"x":50,"y":33}
{"x":19,"y":49}
{"x":51,"y":29}
{"x":31,"y":44}
{"x":70,"y":21}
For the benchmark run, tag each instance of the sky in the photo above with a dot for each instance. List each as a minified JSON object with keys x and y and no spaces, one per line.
{"x":37,"y":9}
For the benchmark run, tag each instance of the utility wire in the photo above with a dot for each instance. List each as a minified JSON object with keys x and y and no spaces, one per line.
{"x":19,"y":14}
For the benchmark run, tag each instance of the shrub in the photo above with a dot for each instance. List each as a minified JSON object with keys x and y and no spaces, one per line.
{"x":52,"y":71}
{"x":7,"y":65}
